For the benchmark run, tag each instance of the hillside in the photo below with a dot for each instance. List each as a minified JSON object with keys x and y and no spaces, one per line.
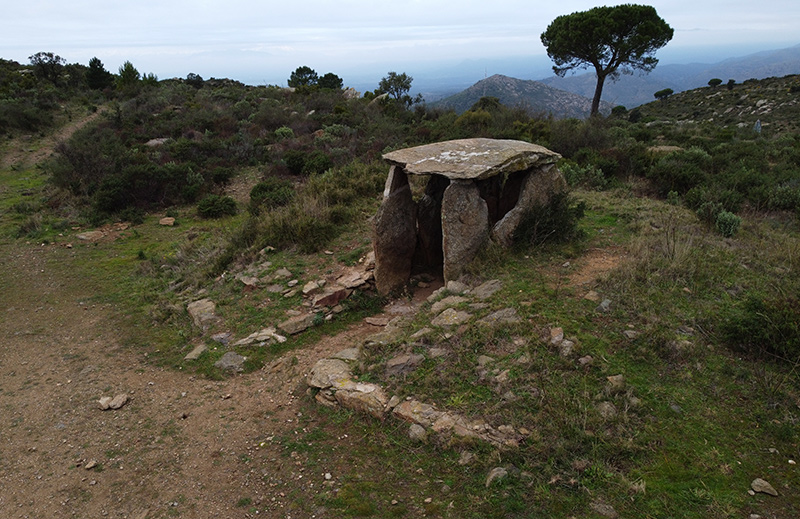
{"x":632,"y":91}
{"x":775,"y":102}
{"x":535,"y":97}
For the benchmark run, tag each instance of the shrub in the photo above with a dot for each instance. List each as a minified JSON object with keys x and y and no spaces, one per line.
{"x":216,"y":206}
{"x":555,"y":222}
{"x":316,"y":162}
{"x":680,"y":171}
{"x":708,"y":212}
{"x":588,"y":175}
{"x":271,"y":192}
{"x":764,"y":325}
{"x":283,"y":133}
{"x":295,"y":161}
{"x":727,"y":223}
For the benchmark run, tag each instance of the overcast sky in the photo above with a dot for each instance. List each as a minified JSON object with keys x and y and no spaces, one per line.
{"x":262,"y":41}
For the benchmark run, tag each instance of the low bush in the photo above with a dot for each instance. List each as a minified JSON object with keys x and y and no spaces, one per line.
{"x":728,"y":223}
{"x":762,"y":325}
{"x":270,"y":193}
{"x":554,"y":223}
{"x":216,"y":206}
{"x":680,"y":171}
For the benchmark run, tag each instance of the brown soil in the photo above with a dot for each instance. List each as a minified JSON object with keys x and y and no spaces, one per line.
{"x":179,"y":443}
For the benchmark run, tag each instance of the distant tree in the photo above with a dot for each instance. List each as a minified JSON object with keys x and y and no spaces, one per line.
{"x":128,"y":79}
{"x":714,"y":83}
{"x":97,"y":77}
{"x":662,"y":95}
{"x":731,"y":83}
{"x":330,"y":81}
{"x":194,"y":80}
{"x":613,"y":40}
{"x":303,"y":76}
{"x":150,"y":79}
{"x":397,"y":87}
{"x":48,"y":66}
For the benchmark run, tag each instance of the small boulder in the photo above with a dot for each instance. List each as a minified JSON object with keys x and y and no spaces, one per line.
{"x":761,"y":486}
{"x":231,"y":361}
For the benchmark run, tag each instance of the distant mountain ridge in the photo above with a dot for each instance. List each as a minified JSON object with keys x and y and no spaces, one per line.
{"x":632,"y":91}
{"x":533,"y":96}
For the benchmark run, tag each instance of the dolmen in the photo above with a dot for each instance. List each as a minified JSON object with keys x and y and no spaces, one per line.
{"x":477,"y":189}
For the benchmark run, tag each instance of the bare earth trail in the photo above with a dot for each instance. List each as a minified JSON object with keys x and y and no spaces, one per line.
{"x":182,"y":445}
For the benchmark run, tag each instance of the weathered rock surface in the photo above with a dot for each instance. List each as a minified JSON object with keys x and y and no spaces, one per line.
{"x":196,"y":352}
{"x":763,"y":487}
{"x":231,"y":361}
{"x":116,"y":402}
{"x":451,"y":317}
{"x":266,"y":335}
{"x":537,"y":189}
{"x":403,"y":364}
{"x":447,"y":302}
{"x":364,"y":398}
{"x":395,"y":234}
{"x":465,"y":227}
{"x":203,"y":313}
{"x":329,"y":372}
{"x":504,"y":316}
{"x":297,"y":324}
{"x":471,"y":159}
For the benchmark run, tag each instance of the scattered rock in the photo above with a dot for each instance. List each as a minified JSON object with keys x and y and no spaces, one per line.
{"x":761,"y":486}
{"x":332,"y":296}
{"x":363,"y":398}
{"x":566,"y":348}
{"x":630,"y":334}
{"x":348,"y":354}
{"x":91,"y":236}
{"x":282,"y":273}
{"x":248,"y":281}
{"x":196,"y":352}
{"x":487,"y":289}
{"x":231,"y":361}
{"x":465,"y":458}
{"x":297,"y":324}
{"x":417,"y":433}
{"x":447,"y":302}
{"x":483,"y":360}
{"x":222,"y":338}
{"x":266,"y":335}
{"x":167,"y":221}
{"x":310,"y":288}
{"x":586,"y":360}
{"x":504,"y":316}
{"x":381,"y":320}
{"x":402,"y":364}
{"x":451,"y":317}
{"x":496,"y":474}
{"x":456,"y":287}
{"x":275,"y":288}
{"x":616,"y":382}
{"x":556,"y":336}
{"x":329,"y":372}
{"x":203,"y":313}
{"x":607,"y":410}
{"x":116,"y":402}
{"x":593,"y":296}
{"x":604,"y":306}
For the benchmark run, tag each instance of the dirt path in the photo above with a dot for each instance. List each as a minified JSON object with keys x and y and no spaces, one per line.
{"x":177,"y":446}
{"x":26,"y":151}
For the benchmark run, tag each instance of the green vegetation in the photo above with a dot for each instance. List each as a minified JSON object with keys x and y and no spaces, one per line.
{"x":692,"y":221}
{"x":613,"y":40}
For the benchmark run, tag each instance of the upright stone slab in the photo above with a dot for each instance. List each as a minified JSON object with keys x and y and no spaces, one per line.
{"x":538,"y":188}
{"x":395,"y":233}
{"x":465,"y":226}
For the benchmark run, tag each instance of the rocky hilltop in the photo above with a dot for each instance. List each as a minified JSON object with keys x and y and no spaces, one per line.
{"x":534,"y":96}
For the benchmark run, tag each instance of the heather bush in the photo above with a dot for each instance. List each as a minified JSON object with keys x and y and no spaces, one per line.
{"x":270,"y":193}
{"x":727,"y":223}
{"x":216,"y":206}
{"x":680,"y":171}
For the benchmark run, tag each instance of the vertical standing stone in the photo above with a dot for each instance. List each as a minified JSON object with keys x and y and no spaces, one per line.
{"x":394,"y":233}
{"x":538,"y":188}
{"x":465,"y":226}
